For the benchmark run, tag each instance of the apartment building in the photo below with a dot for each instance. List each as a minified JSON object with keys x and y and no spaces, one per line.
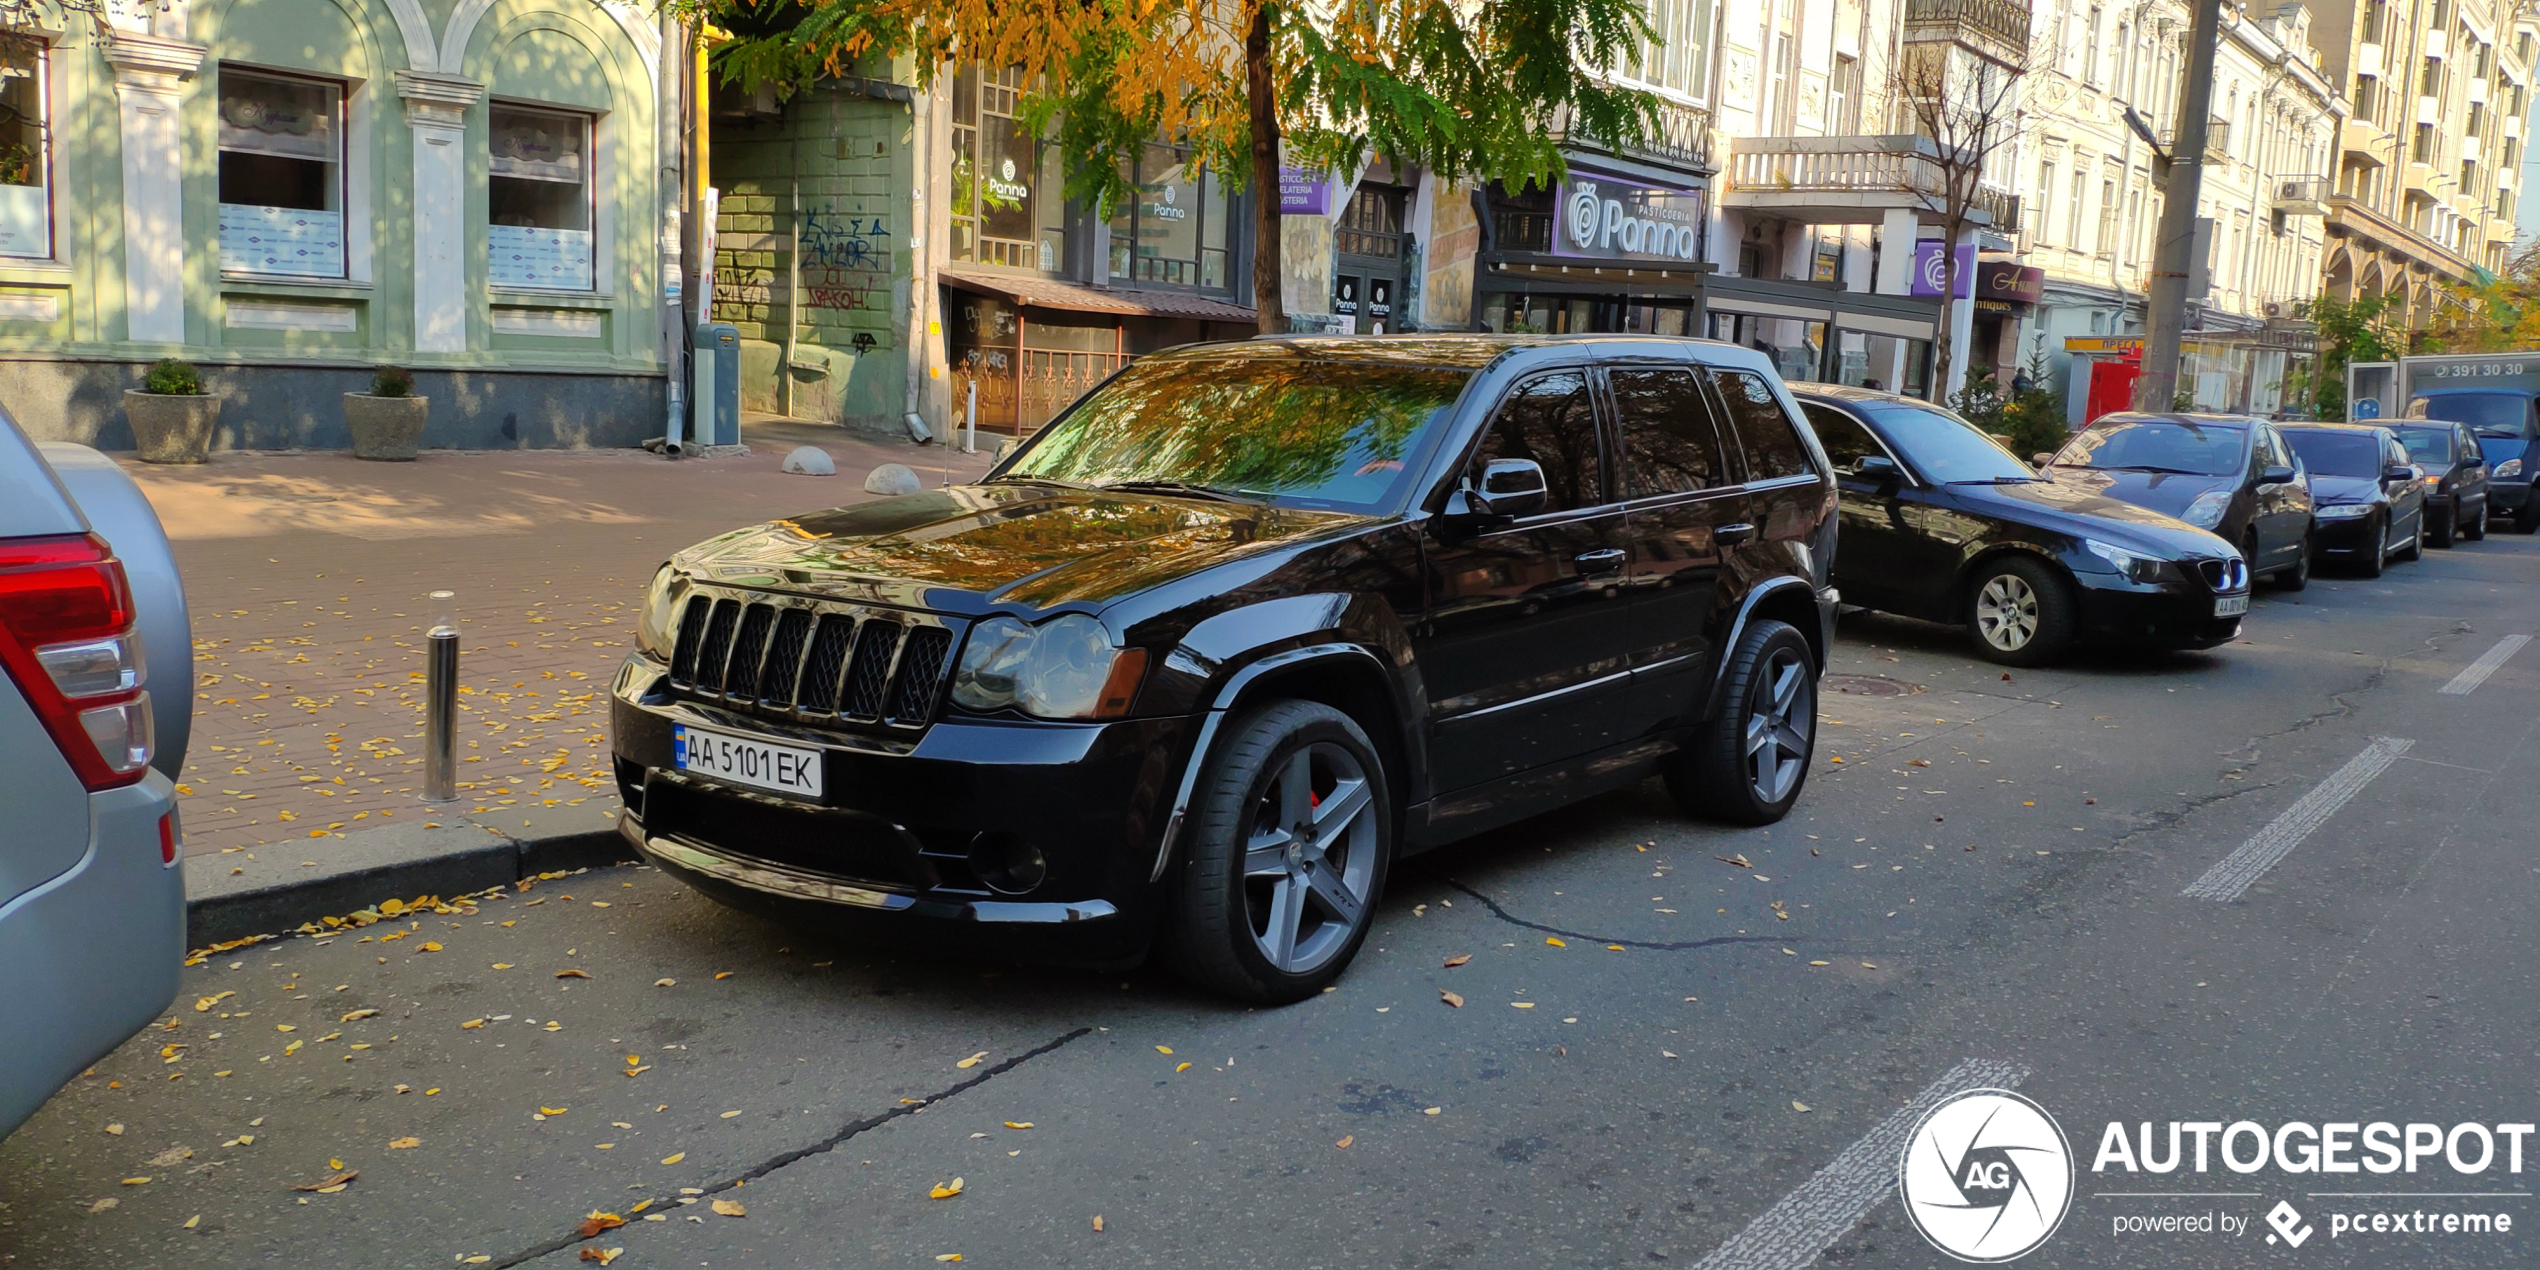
{"x":2094,"y":182}
{"x":2428,"y":163}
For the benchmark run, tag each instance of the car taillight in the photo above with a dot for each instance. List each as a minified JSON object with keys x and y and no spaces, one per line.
{"x":67,"y":639}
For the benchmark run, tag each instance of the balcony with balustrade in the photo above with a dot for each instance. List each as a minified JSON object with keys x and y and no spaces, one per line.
{"x":1997,"y":30}
{"x":1851,"y":180}
{"x":1680,"y":140}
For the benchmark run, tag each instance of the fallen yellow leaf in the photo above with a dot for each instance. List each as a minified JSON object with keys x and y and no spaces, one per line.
{"x":551,"y":1111}
{"x":1554,"y":942}
{"x":431,"y":945}
{"x":357,"y":1014}
{"x":1451,"y":999}
{"x":730,"y":1208}
{"x":1457,"y":960}
{"x":404,"y":1144}
{"x":135,"y":1181}
{"x":1097,"y":1223}
{"x":1797,"y":1105}
{"x":1018,"y":1124}
{"x":972,"y":1061}
{"x":1343,"y":1144}
{"x":1163,"y":1049}
{"x":674,"y":1157}
{"x":946,"y":1191}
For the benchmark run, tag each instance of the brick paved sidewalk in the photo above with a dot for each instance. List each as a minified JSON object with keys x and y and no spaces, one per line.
{"x":306,"y":575}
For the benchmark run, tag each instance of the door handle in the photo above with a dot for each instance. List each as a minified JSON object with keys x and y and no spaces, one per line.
{"x":1605,"y":560}
{"x":1732,"y":535}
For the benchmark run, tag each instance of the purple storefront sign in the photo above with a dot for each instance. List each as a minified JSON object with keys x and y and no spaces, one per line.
{"x":1302,"y":193}
{"x":1928,"y":278}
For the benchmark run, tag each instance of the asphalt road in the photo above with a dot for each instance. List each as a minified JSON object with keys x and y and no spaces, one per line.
{"x":1661,"y":1057}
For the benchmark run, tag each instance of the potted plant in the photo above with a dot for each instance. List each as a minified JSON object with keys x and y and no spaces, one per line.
{"x":171,"y":416}
{"x":387,"y":421}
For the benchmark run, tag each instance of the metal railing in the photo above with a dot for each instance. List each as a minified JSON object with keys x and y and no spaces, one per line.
{"x":1680,"y":139}
{"x":1900,"y":164}
{"x":2005,"y":22}
{"x":1021,"y":389}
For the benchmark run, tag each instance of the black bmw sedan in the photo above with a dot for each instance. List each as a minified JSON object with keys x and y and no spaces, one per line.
{"x":1941,"y":522}
{"x":2371,"y":505}
{"x":2228,"y":473}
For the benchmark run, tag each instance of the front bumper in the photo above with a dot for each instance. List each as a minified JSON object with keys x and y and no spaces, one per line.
{"x":2160,"y":615}
{"x":886,"y":855}
{"x":2507,"y":497}
{"x":2353,"y":537}
{"x":97,"y":949}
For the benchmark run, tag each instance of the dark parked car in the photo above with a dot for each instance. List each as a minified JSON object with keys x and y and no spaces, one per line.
{"x":1942,"y":523}
{"x":1199,"y":660}
{"x":2371,"y":498}
{"x":2507,"y":425}
{"x":2230,"y":474}
{"x":2455,"y":479}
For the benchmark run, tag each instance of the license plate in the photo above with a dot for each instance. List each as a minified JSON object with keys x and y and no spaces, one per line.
{"x":2230,"y":605}
{"x":743,"y":760}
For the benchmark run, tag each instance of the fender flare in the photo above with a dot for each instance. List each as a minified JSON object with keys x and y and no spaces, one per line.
{"x":1223,"y":703}
{"x":1824,"y":600}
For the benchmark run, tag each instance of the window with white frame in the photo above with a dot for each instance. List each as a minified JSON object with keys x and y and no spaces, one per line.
{"x":26,"y":204}
{"x":538,"y":191}
{"x":281,"y":175}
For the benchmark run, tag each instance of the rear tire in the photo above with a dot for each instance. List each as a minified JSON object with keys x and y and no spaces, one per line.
{"x":2415,"y":550}
{"x":1291,"y":837}
{"x":1747,"y":765}
{"x":2019,"y":613}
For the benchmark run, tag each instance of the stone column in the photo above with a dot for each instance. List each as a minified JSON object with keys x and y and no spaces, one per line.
{"x":436,"y":108}
{"x":150,"y":75}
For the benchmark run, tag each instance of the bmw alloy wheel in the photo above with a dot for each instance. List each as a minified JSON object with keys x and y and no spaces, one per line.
{"x":2006,"y":612}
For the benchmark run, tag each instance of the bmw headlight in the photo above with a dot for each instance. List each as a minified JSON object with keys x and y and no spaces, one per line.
{"x":654,"y":633}
{"x":2207,"y":511}
{"x":2508,"y":468}
{"x":2134,"y":565}
{"x":1065,"y":668}
{"x":2342,"y":511}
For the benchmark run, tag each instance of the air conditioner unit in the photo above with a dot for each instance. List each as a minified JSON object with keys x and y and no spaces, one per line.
{"x":2275,"y":308}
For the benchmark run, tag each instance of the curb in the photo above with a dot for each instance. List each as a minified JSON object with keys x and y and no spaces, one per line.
{"x":470,"y":852}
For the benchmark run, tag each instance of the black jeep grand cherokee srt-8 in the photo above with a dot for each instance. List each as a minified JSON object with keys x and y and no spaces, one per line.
{"x":1196,"y":662}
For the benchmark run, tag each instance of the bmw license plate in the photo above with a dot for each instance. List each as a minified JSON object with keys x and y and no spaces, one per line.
{"x":2230,"y":605}
{"x":743,"y":760}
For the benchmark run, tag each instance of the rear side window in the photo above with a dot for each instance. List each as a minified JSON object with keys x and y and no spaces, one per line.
{"x":1552,"y":420}
{"x":1846,"y":441}
{"x":1773,"y":448}
{"x":1670,"y":441}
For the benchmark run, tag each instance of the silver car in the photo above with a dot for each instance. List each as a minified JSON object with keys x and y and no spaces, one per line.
{"x":92,"y":895}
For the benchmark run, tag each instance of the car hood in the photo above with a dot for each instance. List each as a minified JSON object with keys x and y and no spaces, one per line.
{"x":2074,"y":508}
{"x":2158,"y":491}
{"x":965,"y":548}
{"x":2344,"y":489}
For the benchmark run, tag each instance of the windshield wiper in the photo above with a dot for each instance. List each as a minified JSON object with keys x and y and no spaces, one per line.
{"x":2001,"y":480}
{"x":2148,"y":467}
{"x":1184,"y":488}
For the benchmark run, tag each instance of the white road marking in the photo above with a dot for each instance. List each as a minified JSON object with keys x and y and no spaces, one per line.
{"x":2476,"y":672}
{"x":2227,"y":879}
{"x":1798,"y":1228}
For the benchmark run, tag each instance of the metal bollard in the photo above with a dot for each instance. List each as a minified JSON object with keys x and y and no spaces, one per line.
{"x":441,"y":701}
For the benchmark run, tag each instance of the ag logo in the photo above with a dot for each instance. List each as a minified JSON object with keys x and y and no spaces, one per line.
{"x":1583,"y":212}
{"x":2284,"y":1217}
{"x":1987,"y":1176}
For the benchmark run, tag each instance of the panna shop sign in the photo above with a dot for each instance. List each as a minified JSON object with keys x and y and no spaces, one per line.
{"x":1606,"y":217}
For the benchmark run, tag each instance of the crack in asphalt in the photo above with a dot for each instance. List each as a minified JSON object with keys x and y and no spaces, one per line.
{"x":2249,"y":752}
{"x":1681,"y":946}
{"x":822,"y":1147}
{"x":2171,"y":819}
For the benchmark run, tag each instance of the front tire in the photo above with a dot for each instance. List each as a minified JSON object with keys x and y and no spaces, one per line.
{"x":2415,"y":550}
{"x":2450,"y":529}
{"x":2476,"y":530}
{"x":1291,"y":837}
{"x":2378,"y":559}
{"x":2019,"y":613}
{"x":2299,"y":576}
{"x":1747,"y":766}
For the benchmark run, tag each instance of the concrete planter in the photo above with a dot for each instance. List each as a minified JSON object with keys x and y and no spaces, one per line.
{"x":388,"y":428}
{"x":168,"y":428}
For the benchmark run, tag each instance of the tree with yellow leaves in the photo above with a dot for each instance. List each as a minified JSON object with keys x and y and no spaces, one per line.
{"x":1479,"y":89}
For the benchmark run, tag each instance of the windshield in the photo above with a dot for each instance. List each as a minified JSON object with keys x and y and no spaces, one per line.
{"x":1317,"y":434}
{"x":1943,"y":446}
{"x":2431,"y":446}
{"x":2494,"y":414}
{"x":2356,"y":454}
{"x":2159,"y":445}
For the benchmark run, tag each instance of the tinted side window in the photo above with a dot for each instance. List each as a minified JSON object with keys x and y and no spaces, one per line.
{"x":1846,"y":441}
{"x":2265,"y":452}
{"x":1773,"y":448}
{"x":1670,"y":443}
{"x":1552,"y":420}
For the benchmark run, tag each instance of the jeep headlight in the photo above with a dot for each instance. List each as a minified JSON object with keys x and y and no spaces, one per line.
{"x":1065,"y":668}
{"x":654,"y":632}
{"x":2135,"y":566}
{"x":2508,"y":468}
{"x":2207,"y":511}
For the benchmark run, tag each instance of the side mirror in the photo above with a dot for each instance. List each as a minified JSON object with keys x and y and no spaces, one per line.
{"x":2400,"y":472}
{"x":2279,"y":474}
{"x":1877,"y":469}
{"x":1509,"y":487}
{"x":2041,"y":459}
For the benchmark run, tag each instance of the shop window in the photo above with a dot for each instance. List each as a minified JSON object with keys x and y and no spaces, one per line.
{"x":1174,"y":230}
{"x":26,"y":205}
{"x":538,"y":200}
{"x":281,"y":175}
{"x":1006,"y":206}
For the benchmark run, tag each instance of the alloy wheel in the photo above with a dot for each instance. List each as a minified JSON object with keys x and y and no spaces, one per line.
{"x":2006,"y":612}
{"x":1310,"y":859}
{"x":1781,"y":714}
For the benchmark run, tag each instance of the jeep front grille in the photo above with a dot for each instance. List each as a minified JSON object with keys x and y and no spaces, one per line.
{"x":811,"y":660}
